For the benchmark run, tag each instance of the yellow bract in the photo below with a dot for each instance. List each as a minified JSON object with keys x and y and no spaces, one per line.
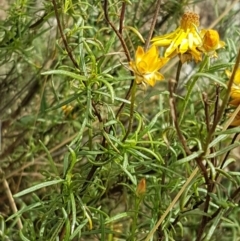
{"x":146,"y":66}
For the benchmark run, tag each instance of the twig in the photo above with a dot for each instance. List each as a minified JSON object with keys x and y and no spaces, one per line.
{"x":131,"y":112}
{"x":122,"y":17}
{"x":105,"y":7}
{"x":173,"y":111}
{"x":216,"y":104}
{"x":119,"y":35}
{"x":11,"y":202}
{"x":206,"y":109}
{"x":63,"y":36}
{"x":154,"y":20}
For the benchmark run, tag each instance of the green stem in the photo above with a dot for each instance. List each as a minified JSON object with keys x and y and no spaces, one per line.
{"x":133,"y":94}
{"x":135,"y":217}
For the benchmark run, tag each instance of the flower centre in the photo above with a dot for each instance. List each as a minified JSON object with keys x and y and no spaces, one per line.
{"x":189,"y":20}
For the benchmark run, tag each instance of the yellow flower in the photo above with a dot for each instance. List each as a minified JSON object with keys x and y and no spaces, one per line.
{"x":211,"y":42}
{"x":235,"y":90}
{"x":185,"y":40}
{"x":146,"y":66}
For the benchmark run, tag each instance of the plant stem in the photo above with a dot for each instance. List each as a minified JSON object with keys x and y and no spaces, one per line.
{"x":133,"y":93}
{"x":173,"y":110}
{"x":154,"y":20}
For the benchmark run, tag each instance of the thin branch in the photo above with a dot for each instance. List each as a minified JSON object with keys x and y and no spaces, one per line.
{"x":206,"y":109}
{"x":105,"y":7}
{"x":63,"y":36}
{"x":173,"y":111}
{"x":216,"y":106}
{"x":11,"y":202}
{"x":154,"y":20}
{"x":127,"y":53}
{"x":131,"y":112}
{"x":122,"y":17}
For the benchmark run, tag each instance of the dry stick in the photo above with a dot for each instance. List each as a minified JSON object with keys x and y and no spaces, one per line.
{"x":11,"y":202}
{"x":154,"y":20}
{"x":172,"y":204}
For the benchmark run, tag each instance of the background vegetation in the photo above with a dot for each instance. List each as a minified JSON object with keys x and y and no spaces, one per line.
{"x":71,"y":166}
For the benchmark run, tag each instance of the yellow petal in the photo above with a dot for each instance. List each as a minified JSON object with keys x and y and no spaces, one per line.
{"x":159,"y":76}
{"x":184,"y":46}
{"x":139,"y":54}
{"x":166,"y":36}
{"x":162,"y":42}
{"x":142,"y":67}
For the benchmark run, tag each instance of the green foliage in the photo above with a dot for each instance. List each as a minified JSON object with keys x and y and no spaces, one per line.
{"x":79,"y":136}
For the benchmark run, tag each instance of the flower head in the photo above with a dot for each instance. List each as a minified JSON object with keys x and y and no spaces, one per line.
{"x":235,"y":90}
{"x":188,"y":42}
{"x":211,"y":42}
{"x":146,"y":66}
{"x":184,"y":40}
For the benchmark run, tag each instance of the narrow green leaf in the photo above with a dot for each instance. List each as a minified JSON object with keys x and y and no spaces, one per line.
{"x":211,"y":77}
{"x":226,"y":174}
{"x":67,"y":73}
{"x":117,"y":217}
{"x":217,"y":140}
{"x":214,"y":226}
{"x":188,"y":158}
{"x":74,"y":212}
{"x":23,"y":237}
{"x":223,"y":150}
{"x":37,"y":187}
{"x":110,"y":88}
{"x":77,"y":231}
{"x":50,"y":160}
{"x":228,"y":132}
